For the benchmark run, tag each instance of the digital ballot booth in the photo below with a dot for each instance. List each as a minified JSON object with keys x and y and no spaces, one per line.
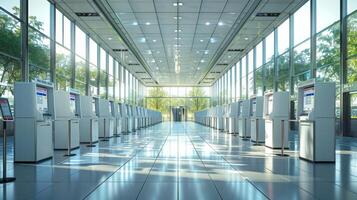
{"x":244,"y":119}
{"x":88,"y":123}
{"x":316,"y":116}
{"x":276,"y":117}
{"x":257,"y":124}
{"x":34,"y":113}
{"x":66,"y":119}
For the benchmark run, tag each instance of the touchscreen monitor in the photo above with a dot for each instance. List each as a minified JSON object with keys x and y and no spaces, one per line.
{"x":5,"y":109}
{"x":270,"y":104}
{"x":254,"y":106}
{"x":42,"y":99}
{"x":308,"y":100}
{"x":72,"y":103}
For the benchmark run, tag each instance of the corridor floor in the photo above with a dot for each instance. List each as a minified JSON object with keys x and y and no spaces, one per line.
{"x":184,"y":160}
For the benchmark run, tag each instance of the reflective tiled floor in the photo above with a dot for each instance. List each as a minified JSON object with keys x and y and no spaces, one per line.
{"x":184,"y":161}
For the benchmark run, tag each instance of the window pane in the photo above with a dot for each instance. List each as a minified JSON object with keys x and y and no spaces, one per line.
{"x":302,"y":24}
{"x":80,"y":74}
{"x":269,"y":76}
{"x":352,"y":34}
{"x":39,"y":55}
{"x":259,"y":54}
{"x":63,"y":67}
{"x":103,"y":60}
{"x":283,"y":37}
{"x":238,"y":81}
{"x":93,"y":79}
{"x":283,"y":72}
{"x":93,"y":52}
{"x":66,"y":32}
{"x":351,"y":6}
{"x":80,"y":42}
{"x":11,"y":6}
{"x":251,"y":61}
{"x":327,"y":13}
{"x":244,"y":66}
{"x":59,"y":27}
{"x":10,"y":35}
{"x":259,"y":81}
{"x":302,"y":57}
{"x":39,"y":15}
{"x":269,"y":44}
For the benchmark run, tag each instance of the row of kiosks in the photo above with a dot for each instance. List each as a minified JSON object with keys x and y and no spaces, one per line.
{"x":47,"y":119}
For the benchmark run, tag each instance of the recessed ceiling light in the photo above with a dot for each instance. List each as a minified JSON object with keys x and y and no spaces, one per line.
{"x":178,"y":30}
{"x":160,"y":60}
{"x":147,"y":23}
{"x":202,"y":61}
{"x":206,"y":52}
{"x":246,"y":38}
{"x":153,"y":40}
{"x":198,"y":68}
{"x":201,"y":40}
{"x":212,"y":40}
{"x":207,"y":23}
{"x":109,"y":38}
{"x":220,"y":23}
{"x":178,"y":38}
{"x":197,"y":51}
{"x":153,"y":61}
{"x":177,"y":4}
{"x":229,"y":56}
{"x":135,"y":23}
{"x":157,"y":68}
{"x":177,"y":17}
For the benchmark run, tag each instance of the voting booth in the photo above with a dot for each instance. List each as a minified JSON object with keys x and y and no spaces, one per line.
{"x":34,"y":113}
{"x":88,"y":123}
{"x":257,"y":124}
{"x":233,"y":120}
{"x":66,"y":120}
{"x":316,"y":115}
{"x":276,"y":118}
{"x":226,"y":113}
{"x":244,"y":119}
{"x":104,"y":118}
{"x":118,"y":118}
{"x":124,"y":118}
{"x":130,"y":118}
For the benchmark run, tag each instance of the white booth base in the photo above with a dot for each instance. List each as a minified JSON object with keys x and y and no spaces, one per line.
{"x":317,"y":140}
{"x":33,"y":140}
{"x":244,"y":127}
{"x":84,"y":129}
{"x":273,"y":133}
{"x":261,"y":130}
{"x":233,"y":125}
{"x":61,"y":134}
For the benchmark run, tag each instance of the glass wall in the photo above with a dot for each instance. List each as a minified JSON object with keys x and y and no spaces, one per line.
{"x":76,"y":60}
{"x":282,"y":59}
{"x":191,"y":98}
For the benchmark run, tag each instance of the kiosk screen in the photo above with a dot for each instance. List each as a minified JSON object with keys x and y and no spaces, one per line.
{"x":254,"y":106}
{"x":72,"y":103}
{"x":94,"y":106}
{"x":42,"y":100}
{"x":5,"y":109}
{"x":308,"y":101}
{"x":270,"y":104}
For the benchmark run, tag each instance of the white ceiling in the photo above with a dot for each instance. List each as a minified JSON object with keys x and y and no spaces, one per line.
{"x":201,"y":30}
